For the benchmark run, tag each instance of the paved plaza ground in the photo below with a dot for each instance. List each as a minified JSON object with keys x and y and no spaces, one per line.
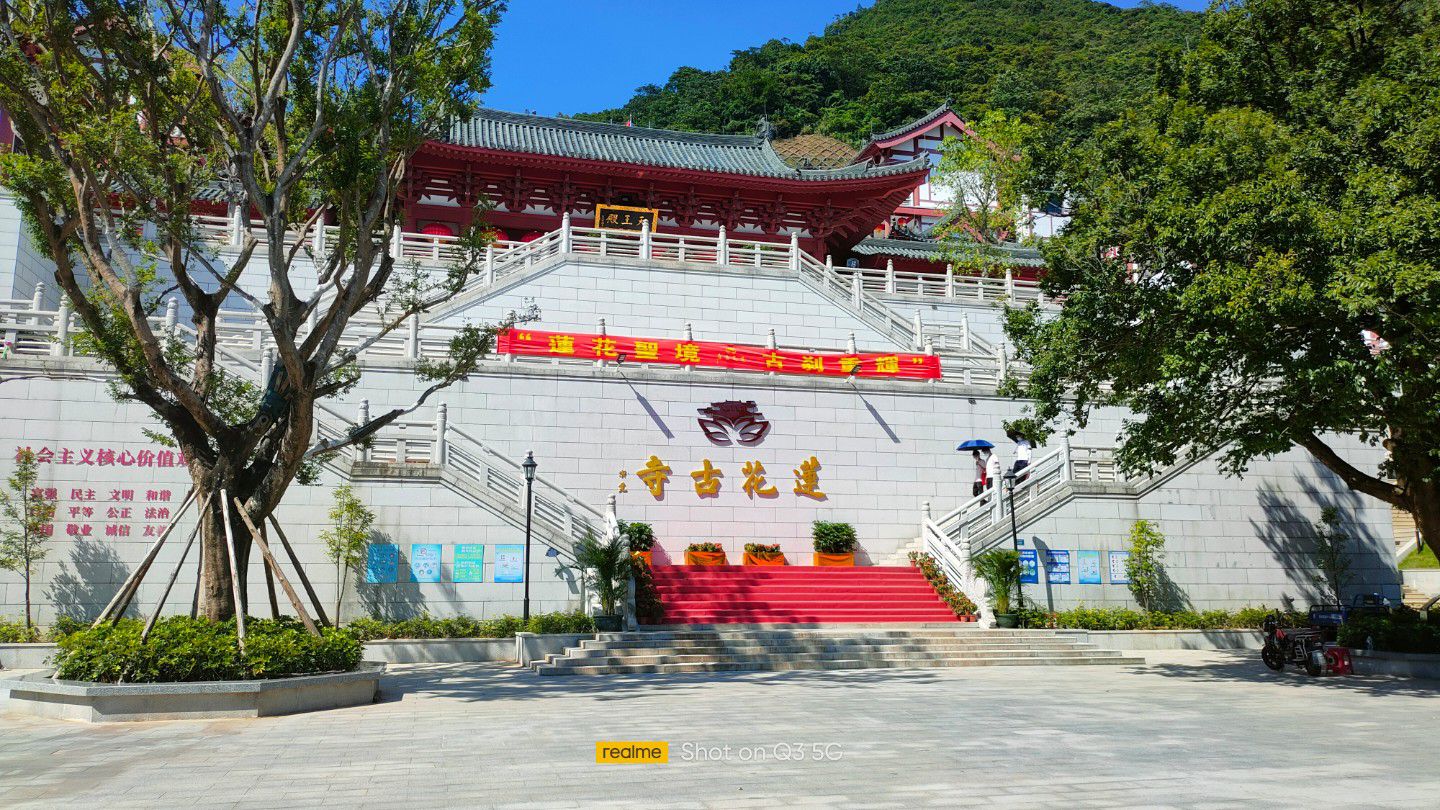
{"x":1187,"y":730}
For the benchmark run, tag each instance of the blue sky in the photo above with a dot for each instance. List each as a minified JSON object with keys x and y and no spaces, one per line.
{"x":583,"y":55}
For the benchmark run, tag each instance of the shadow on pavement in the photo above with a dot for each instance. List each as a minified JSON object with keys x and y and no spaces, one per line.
{"x":487,"y":682}
{"x":1244,"y":666}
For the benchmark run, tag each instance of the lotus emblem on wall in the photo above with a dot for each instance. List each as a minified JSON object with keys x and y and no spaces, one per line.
{"x":733,"y":422}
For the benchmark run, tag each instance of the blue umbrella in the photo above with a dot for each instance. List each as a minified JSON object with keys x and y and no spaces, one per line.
{"x":975,"y":444}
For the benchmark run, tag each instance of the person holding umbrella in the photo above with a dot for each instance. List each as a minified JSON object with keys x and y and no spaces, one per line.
{"x":982,"y":476}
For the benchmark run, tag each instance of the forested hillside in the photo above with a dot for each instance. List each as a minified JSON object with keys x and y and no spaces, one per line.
{"x":1069,"y":62}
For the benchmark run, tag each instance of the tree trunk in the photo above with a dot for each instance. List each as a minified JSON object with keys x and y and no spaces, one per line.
{"x":339,"y":592}
{"x":1425,"y":506}
{"x":27,"y":595}
{"x":217,"y":597}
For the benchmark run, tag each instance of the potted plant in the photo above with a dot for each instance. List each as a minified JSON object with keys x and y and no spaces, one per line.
{"x":606,"y":567}
{"x":705,"y":554}
{"x":834,"y":543}
{"x":1001,"y":571}
{"x":763,"y":554}
{"x":641,"y":538}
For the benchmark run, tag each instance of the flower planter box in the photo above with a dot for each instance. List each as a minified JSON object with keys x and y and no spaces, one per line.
{"x":647,"y":556}
{"x":705,"y":558}
{"x":751,"y":558}
{"x":834,"y":560}
{"x":968,"y":618}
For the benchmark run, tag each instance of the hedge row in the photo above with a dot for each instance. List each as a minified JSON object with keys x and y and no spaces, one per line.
{"x":1403,"y":631}
{"x":427,"y":626}
{"x":1109,"y":618}
{"x":182,"y":649}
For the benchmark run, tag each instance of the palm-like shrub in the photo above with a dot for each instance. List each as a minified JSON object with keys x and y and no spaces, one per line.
{"x":606,"y":567}
{"x":1001,"y":570}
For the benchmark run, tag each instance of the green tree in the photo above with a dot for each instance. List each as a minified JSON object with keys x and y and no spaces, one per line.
{"x":28,"y":514}
{"x":346,"y":540}
{"x":983,"y":173}
{"x":303,"y":113}
{"x":1235,"y":236}
{"x":1332,"y":554}
{"x":1145,"y":567}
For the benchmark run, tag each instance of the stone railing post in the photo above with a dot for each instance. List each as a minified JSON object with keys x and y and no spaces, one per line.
{"x":397,"y":243}
{"x":565,"y":233}
{"x":1067,"y":472}
{"x":965,"y":330}
{"x":857,"y":290}
{"x":440,"y":453}
{"x":794,"y":252}
{"x":267,"y":366}
{"x":1009,"y":284}
{"x":412,"y":340}
{"x":600,"y":330}
{"x":771,"y":344}
{"x":172,"y":316}
{"x":317,"y":239}
{"x":402,"y":453}
{"x":645,"y":240}
{"x":1001,"y":364}
{"x":924,"y":524}
{"x":930,"y":352}
{"x":62,"y":329}
{"x":689,"y":336}
{"x":850,"y":344}
{"x":722,"y":248}
{"x":362,"y":417}
{"x":890,"y":276}
{"x":38,"y":299}
{"x":919,"y":325}
{"x":949,"y":281}
{"x":489,"y":265}
{"x":238,"y":224}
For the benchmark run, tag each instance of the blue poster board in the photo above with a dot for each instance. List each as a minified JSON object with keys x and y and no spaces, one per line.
{"x":382,"y":563}
{"x":1088,"y":563}
{"x":1029,"y":569}
{"x":425,"y":562}
{"x":1057,"y":567}
{"x":469,"y":564}
{"x":509,"y":563}
{"x":1117,"y":568}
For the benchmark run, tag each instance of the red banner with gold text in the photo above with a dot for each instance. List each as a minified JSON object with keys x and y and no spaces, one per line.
{"x":534,"y":343}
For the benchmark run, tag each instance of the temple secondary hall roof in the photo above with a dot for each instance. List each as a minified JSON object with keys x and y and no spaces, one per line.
{"x":1016,"y":255}
{"x":572,"y":138}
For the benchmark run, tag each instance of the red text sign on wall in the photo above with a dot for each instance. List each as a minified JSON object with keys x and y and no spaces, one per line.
{"x":708,"y":354}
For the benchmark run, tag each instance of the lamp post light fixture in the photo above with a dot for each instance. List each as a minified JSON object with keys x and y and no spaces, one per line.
{"x":529,"y":466}
{"x":1010,"y":479}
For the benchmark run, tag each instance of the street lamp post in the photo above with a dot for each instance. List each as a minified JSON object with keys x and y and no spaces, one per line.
{"x":1015,"y":538}
{"x":529,"y":466}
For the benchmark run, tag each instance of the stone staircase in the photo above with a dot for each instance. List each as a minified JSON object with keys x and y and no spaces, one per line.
{"x":734,"y":649}
{"x":1414,"y":597}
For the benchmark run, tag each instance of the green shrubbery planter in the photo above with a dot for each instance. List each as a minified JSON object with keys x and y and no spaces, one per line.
{"x":185,"y":650}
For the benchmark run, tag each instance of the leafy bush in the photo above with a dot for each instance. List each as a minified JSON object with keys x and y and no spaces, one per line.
{"x":1119,"y":618}
{"x":648,"y":607}
{"x":17,"y":633}
{"x":64,"y":626}
{"x":958,"y":602}
{"x":834,"y":538}
{"x":1001,"y":569}
{"x":716,"y":547}
{"x":764,"y":549}
{"x":640,"y":536}
{"x":426,"y":626}
{"x":181,"y":649}
{"x":1402,"y":631}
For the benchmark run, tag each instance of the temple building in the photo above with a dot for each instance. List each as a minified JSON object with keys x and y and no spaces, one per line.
{"x":737,"y":337}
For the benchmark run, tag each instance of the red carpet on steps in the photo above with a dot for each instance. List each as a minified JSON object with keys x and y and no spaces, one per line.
{"x":736,"y":594}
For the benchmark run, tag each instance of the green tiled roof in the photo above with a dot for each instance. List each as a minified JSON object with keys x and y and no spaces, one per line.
{"x":909,"y":125}
{"x":1017,"y":255}
{"x":592,"y":140}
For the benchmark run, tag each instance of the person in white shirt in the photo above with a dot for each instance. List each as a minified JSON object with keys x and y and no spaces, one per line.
{"x":992,"y":468}
{"x":1022,"y":453}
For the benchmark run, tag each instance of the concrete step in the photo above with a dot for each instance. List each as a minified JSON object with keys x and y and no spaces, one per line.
{"x":844,"y":631}
{"x":832,"y":664}
{"x":833,"y":651}
{"x":878,"y":658}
